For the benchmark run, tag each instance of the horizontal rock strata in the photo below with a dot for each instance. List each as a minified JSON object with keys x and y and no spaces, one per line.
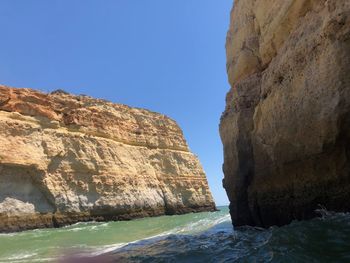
{"x":68,"y":158}
{"x":286,"y":127}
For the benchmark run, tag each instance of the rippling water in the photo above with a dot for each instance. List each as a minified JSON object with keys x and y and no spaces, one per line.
{"x":202,"y":237}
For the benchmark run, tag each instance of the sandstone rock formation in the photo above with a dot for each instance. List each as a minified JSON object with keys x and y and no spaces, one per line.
{"x":286,"y":127}
{"x":68,"y":158}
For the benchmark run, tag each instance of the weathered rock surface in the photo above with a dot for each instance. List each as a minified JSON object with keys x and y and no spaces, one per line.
{"x":286,"y":127}
{"x":68,"y":158}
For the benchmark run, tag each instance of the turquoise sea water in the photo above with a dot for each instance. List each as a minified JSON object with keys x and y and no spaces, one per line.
{"x":201,"y":237}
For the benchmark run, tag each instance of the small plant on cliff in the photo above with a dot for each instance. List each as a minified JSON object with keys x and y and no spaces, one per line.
{"x":59,"y":91}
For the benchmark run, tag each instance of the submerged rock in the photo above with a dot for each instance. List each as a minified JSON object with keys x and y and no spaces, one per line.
{"x":286,"y":127}
{"x":67,"y":158}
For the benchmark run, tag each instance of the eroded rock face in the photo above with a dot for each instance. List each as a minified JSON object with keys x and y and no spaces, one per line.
{"x":286,"y":127}
{"x":68,"y":158}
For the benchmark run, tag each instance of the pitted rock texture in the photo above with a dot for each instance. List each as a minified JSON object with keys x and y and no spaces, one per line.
{"x":286,"y":127}
{"x":68,"y":158}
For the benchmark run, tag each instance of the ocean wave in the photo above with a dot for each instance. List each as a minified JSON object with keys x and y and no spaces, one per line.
{"x":192,"y":223}
{"x":192,"y":227}
{"x":203,"y":237}
{"x":201,"y":225}
{"x":325,"y":239}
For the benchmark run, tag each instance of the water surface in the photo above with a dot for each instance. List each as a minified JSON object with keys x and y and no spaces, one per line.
{"x":201,"y":237}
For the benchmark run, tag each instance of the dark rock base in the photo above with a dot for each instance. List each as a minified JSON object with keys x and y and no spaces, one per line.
{"x":18,"y":223}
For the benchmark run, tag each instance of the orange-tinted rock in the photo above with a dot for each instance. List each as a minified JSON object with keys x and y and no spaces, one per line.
{"x":67,"y":158}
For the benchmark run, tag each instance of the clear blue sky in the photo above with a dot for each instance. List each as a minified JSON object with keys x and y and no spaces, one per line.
{"x":164,"y":55}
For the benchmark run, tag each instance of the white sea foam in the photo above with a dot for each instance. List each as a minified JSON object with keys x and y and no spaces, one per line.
{"x":105,"y":249}
{"x":84,"y":226}
{"x":29,"y":260}
{"x":8,"y":234}
{"x":18,"y":257}
{"x":200,"y":225}
{"x":96,"y":227}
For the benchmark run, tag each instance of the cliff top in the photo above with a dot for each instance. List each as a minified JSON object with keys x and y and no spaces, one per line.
{"x":97,"y":117}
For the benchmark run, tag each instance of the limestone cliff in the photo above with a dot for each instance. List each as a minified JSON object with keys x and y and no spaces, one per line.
{"x":286,"y":127}
{"x":68,"y":158}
